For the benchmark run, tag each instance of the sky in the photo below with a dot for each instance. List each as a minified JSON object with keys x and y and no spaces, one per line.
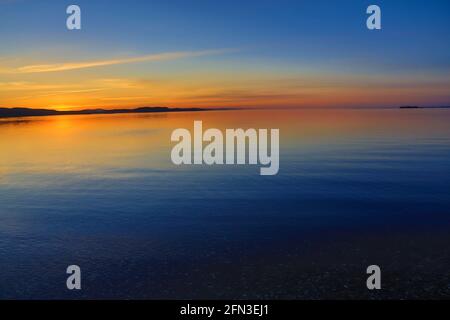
{"x":211,"y":53}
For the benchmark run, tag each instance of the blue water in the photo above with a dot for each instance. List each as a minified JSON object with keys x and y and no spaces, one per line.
{"x":140,"y":227}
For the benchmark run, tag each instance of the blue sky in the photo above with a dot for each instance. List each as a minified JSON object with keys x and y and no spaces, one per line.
{"x":327,"y":38}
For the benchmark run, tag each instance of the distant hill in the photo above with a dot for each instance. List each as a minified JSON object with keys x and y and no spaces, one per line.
{"x":27,"y":112}
{"x":418,"y":107}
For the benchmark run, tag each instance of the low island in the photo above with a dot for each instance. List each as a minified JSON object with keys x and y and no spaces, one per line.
{"x":28,"y":112}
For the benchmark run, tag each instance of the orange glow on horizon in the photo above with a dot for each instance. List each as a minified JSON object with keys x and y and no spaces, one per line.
{"x":93,"y":89}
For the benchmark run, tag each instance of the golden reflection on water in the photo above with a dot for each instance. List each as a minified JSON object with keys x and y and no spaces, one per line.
{"x":87,"y":143}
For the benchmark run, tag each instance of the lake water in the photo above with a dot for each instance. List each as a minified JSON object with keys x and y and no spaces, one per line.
{"x":355,"y":188}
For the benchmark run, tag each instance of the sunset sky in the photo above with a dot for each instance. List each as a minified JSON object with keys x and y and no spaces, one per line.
{"x":223,"y":53}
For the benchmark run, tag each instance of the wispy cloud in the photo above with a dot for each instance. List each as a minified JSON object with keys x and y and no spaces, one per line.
{"x":125,"y":98}
{"x":167,"y":56}
{"x":29,"y":86}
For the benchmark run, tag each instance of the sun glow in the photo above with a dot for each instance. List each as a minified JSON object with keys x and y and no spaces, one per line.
{"x":64,"y":107}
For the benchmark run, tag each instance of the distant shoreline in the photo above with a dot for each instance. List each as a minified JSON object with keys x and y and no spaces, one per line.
{"x":28,"y":112}
{"x":419,"y":107}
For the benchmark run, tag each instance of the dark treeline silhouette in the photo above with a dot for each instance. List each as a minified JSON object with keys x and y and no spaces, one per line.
{"x":419,"y":107}
{"x":27,"y":112}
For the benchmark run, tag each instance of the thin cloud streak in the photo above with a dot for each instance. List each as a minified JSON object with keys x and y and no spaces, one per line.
{"x":168,"y":56}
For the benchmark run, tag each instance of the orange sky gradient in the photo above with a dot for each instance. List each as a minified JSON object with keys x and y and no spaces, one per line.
{"x":179,"y":79}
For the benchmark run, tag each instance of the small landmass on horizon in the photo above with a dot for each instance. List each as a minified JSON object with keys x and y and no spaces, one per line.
{"x":28,"y":112}
{"x":419,"y":107}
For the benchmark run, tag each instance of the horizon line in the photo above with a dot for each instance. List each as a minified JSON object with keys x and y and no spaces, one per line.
{"x":21,"y":112}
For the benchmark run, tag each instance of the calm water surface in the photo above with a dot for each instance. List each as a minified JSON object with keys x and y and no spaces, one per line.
{"x":355,"y":188}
